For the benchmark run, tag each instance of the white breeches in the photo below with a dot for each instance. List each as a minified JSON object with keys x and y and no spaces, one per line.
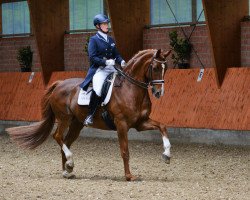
{"x":100,"y":76}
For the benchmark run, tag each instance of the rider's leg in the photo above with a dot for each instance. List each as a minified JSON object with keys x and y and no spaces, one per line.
{"x":95,"y":101}
{"x":99,"y":78}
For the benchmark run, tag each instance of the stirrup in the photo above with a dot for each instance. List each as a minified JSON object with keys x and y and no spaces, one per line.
{"x":88,"y":121}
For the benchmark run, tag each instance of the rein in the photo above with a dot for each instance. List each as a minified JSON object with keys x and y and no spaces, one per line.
{"x":141,"y":83}
{"x":131,"y":79}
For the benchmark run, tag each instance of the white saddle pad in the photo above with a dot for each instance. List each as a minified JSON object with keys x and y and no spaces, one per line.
{"x":84,"y":97}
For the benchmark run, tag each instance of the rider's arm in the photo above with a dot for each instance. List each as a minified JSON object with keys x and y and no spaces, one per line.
{"x":116,"y":55}
{"x":93,"y":54}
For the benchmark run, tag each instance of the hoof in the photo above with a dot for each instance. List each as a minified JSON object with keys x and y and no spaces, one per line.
{"x":69,"y":165}
{"x":166,"y":158}
{"x":132,"y":178}
{"x":68,"y":175}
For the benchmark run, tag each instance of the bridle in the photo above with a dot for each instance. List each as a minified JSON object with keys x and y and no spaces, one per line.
{"x":150,"y":82}
{"x":157,"y":82}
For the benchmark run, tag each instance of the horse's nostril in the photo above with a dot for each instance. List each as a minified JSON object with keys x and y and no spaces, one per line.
{"x":157,"y":95}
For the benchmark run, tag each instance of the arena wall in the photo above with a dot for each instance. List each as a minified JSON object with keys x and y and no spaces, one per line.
{"x":186,"y":103}
{"x":75,"y":57}
{"x":190,"y":103}
{"x":21,"y":94}
{"x":8,"y":53}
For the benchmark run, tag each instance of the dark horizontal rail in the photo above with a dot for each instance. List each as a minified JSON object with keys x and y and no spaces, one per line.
{"x":174,"y":25}
{"x":80,"y":31}
{"x":15,"y":35}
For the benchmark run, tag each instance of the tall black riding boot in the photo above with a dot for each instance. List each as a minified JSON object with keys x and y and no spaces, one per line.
{"x":95,"y":100}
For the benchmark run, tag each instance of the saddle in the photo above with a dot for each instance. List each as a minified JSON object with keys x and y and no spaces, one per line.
{"x":107,"y":88}
{"x":84,"y":98}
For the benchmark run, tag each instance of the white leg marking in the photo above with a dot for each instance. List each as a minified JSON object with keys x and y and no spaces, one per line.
{"x":67,"y":152}
{"x":166,"y":145}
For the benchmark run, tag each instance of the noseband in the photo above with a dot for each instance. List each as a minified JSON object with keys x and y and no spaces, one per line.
{"x":151,"y":82}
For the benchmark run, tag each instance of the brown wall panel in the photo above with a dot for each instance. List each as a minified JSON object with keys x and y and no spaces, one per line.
{"x":21,"y":100}
{"x":50,"y":19}
{"x":188,"y":103}
{"x":128,"y":19}
{"x":223,"y":19}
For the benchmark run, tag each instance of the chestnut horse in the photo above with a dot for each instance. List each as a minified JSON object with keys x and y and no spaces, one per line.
{"x":129,"y":107}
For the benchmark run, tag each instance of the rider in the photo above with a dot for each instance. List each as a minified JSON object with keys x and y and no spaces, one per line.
{"x":103,"y":55}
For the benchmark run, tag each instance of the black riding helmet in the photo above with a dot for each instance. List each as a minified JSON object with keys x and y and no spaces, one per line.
{"x":100,"y":18}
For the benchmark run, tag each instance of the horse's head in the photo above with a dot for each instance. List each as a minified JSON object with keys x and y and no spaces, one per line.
{"x":147,"y":69}
{"x":156,"y":72}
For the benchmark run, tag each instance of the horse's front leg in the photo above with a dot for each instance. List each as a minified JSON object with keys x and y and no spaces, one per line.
{"x":166,"y":143}
{"x":122,"y":131}
{"x":153,"y":125}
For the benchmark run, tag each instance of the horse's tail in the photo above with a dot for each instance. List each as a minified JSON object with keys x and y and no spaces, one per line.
{"x":35,"y":134}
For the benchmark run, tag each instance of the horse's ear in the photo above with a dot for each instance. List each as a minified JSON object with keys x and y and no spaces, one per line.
{"x":167,"y":53}
{"x":158,"y":53}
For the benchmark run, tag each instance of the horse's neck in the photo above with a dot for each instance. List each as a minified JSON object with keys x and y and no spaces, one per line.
{"x":139,"y":94}
{"x":138,"y":67}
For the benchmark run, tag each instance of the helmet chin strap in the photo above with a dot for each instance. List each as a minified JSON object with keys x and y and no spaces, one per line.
{"x":104,"y":31}
{"x":99,"y":28}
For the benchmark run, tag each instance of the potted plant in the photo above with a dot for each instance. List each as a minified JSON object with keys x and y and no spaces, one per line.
{"x":181,"y":50}
{"x":24,"y":57}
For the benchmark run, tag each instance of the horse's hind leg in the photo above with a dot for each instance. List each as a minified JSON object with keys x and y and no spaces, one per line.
{"x":67,"y":162}
{"x":153,"y":125}
{"x":58,"y":136}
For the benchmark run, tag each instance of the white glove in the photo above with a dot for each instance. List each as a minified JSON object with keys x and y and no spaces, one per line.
{"x":123,"y":63}
{"x":110,"y":62}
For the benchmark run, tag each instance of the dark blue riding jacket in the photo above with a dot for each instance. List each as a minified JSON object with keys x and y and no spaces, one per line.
{"x":99,"y":51}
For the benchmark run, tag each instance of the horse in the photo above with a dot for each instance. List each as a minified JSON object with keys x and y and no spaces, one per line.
{"x":129,"y":107}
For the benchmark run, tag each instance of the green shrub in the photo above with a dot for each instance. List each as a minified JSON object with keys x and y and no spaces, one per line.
{"x":25,"y":56}
{"x":181,"y":48}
